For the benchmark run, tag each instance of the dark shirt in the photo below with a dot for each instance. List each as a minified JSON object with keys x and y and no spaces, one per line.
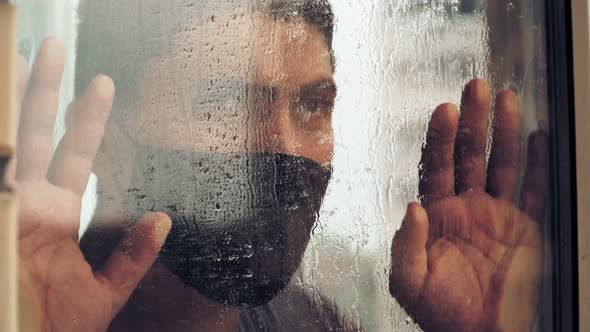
{"x":295,"y":309}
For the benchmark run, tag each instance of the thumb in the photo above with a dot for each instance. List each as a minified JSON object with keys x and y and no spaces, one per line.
{"x":133,"y":257}
{"x":408,"y":257}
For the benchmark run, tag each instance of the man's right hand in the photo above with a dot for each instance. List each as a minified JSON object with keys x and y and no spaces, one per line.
{"x":59,"y":290}
{"x":470,"y":258}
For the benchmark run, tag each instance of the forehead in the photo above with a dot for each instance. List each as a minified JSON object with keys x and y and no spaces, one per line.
{"x":246,"y":47}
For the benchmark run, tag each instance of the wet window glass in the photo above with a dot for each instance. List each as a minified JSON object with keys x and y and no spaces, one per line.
{"x":284,"y":165}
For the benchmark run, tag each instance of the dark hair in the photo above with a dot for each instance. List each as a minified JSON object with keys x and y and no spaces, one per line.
{"x":118,"y":37}
{"x":315,"y":12}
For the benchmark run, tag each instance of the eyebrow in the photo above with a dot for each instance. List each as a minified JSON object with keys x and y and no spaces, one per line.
{"x":327,"y":85}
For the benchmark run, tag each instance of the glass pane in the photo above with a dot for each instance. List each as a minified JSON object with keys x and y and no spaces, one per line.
{"x":322,"y":165}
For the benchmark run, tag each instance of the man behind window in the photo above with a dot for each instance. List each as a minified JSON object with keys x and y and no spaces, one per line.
{"x":212,"y":169}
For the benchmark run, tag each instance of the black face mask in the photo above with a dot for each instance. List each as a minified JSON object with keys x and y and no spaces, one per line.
{"x":240,"y":222}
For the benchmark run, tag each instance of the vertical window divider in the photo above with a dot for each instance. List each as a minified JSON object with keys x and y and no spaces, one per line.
{"x":8,"y":203}
{"x":581,"y":61}
{"x":564,"y":200}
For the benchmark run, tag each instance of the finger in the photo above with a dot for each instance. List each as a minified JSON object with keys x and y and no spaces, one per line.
{"x":72,"y":111}
{"x":437,"y":178}
{"x":23,"y":74}
{"x":408,"y":257}
{"x":535,"y":184}
{"x":133,"y":257}
{"x":72,"y":163}
{"x":503,"y":164}
{"x":39,"y":110}
{"x":470,"y":145}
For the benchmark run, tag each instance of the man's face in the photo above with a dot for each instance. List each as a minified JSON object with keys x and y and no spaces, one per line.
{"x":240,"y":83}
{"x":252,"y":97}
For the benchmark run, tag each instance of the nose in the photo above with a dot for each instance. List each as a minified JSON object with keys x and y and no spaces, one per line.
{"x":275,"y":131}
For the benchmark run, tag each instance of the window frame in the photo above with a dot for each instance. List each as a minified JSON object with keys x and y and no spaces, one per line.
{"x":580,"y":11}
{"x":568,"y":69}
{"x":564,"y":171}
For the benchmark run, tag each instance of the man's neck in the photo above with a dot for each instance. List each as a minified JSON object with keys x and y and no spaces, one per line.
{"x":163,"y":303}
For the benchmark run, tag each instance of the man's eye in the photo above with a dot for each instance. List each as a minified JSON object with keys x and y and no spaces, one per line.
{"x":312,"y":114}
{"x":315,"y":105}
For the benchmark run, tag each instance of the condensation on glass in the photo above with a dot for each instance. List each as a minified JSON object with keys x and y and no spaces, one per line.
{"x":285,"y":163}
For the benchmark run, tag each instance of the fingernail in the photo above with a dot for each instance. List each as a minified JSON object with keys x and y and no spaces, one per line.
{"x":162,"y":230}
{"x":475,"y":90}
{"x":55,"y":49}
{"x":104,"y":86}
